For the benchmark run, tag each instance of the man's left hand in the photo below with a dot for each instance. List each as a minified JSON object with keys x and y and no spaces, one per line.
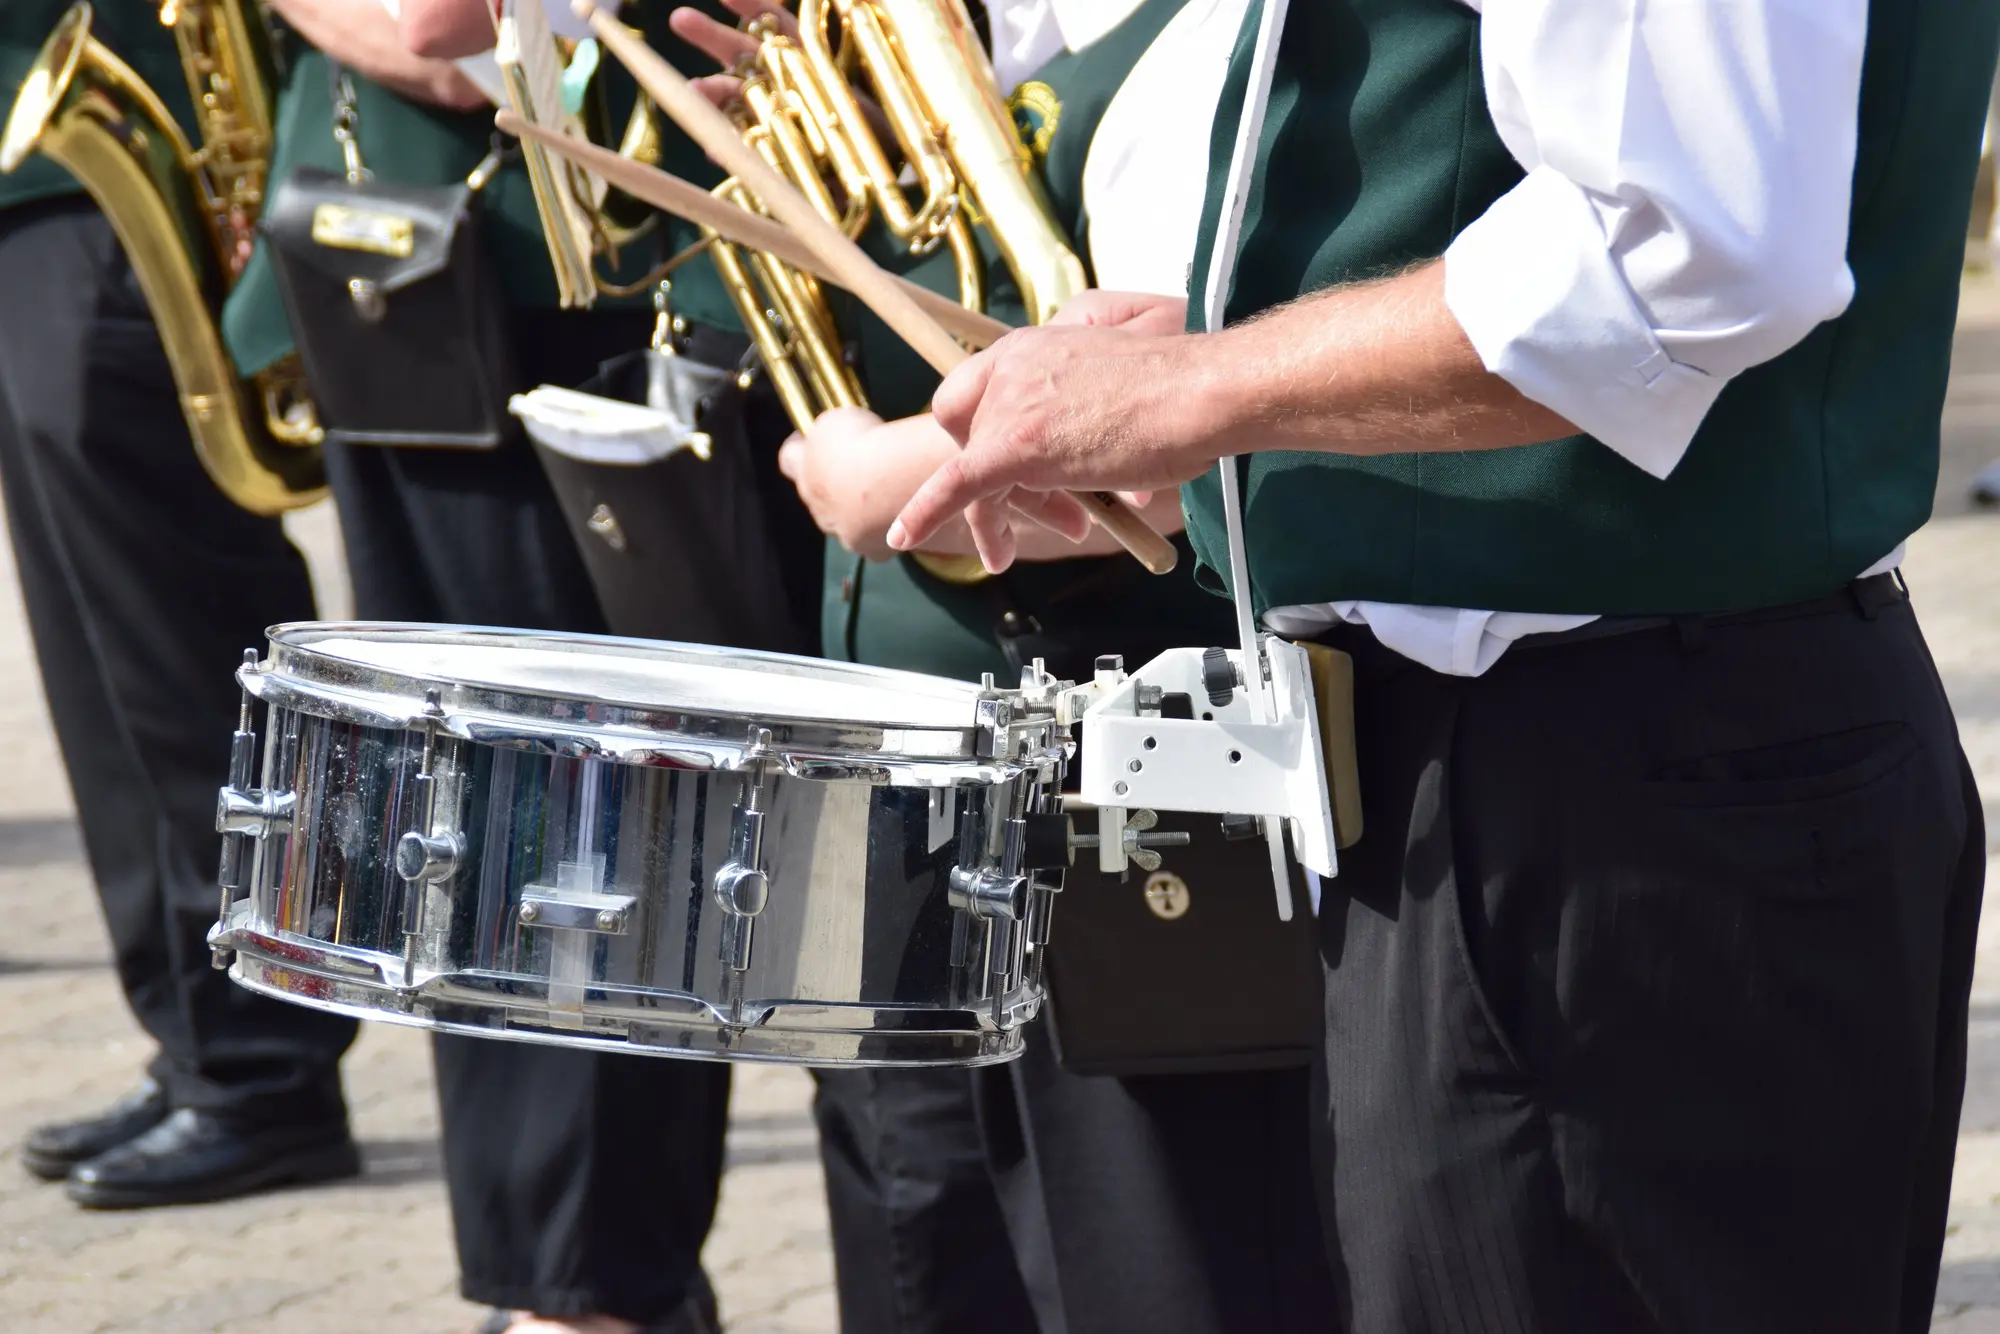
{"x":1060,"y":408}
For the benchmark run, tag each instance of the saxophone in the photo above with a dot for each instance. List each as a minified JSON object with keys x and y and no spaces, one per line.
{"x":184,"y":216}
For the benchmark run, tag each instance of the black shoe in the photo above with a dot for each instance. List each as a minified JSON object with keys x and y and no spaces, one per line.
{"x":1986,"y":486}
{"x":193,"y":1157}
{"x":52,"y":1150}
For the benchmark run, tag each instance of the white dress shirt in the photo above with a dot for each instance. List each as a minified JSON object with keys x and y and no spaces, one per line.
{"x":1684,"y":216}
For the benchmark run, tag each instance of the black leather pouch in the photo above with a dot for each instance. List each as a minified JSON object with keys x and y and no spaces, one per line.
{"x":1185,"y":969}
{"x":1182,"y":970}
{"x":395,"y":308}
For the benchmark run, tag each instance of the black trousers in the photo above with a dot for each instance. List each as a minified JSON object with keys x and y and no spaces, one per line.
{"x":1647,"y":988}
{"x":919,"y":1242}
{"x":1173,"y":1204}
{"x":143,"y":586}
{"x":580,"y":1182}
{"x":721,"y":551}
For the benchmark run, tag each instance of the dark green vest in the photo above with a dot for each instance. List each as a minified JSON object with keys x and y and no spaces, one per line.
{"x":1378,"y":150}
{"x":409,"y":144}
{"x":129,"y":28}
{"x":895,"y":614}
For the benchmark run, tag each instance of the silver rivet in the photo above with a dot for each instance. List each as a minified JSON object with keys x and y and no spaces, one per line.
{"x":530,"y":911}
{"x":1120,"y":788}
{"x":607,"y":920}
{"x":605,"y":524}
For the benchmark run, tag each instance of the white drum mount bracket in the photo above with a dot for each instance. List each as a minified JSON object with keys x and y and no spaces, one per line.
{"x":1182,"y":734}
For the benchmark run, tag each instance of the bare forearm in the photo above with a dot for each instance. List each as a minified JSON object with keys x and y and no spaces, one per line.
{"x":362,"y":35}
{"x":1373,"y":369}
{"x":447,"y":29}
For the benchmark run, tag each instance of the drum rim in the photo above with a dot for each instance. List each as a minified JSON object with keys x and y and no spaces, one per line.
{"x":299,"y":675}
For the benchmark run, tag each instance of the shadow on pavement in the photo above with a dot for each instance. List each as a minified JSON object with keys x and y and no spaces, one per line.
{"x":400,"y":1162}
{"x":28,"y":841}
{"x":23,"y":967}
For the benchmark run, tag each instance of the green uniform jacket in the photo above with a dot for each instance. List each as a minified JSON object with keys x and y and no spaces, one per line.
{"x":1378,"y":150}
{"x":405,"y":143}
{"x":894,"y":614}
{"x":129,"y":28}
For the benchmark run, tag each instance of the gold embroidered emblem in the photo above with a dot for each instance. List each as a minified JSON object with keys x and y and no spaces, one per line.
{"x":1037,"y":112}
{"x":1167,"y":895}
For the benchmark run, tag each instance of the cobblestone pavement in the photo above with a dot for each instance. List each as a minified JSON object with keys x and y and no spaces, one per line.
{"x":375,"y":1255}
{"x":368,"y":1257}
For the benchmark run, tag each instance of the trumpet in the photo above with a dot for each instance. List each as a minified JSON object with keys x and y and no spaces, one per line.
{"x":182,"y":214}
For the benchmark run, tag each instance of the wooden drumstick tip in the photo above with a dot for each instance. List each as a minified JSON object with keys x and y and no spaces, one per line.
{"x":1125,"y":523}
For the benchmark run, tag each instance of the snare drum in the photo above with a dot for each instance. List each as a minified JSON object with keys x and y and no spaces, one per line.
{"x":643,"y":846}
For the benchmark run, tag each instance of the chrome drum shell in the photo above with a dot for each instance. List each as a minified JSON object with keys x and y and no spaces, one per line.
{"x":642,"y":865}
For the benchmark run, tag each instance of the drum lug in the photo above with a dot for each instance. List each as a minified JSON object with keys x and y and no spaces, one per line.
{"x":233,"y":873}
{"x":989,"y":894}
{"x":424,"y":857}
{"x":256,"y":813}
{"x":742,"y":886}
{"x":427,"y":858}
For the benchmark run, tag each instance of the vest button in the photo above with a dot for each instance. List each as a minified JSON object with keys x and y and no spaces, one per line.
{"x":847,"y":588}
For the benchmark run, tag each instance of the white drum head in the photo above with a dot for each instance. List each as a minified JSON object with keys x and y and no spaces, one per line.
{"x":636,"y":674}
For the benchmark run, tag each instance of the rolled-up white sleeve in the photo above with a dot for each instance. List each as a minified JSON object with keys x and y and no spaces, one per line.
{"x":1684,"y":216}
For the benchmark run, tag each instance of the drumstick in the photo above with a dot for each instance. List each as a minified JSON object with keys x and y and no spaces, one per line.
{"x":849,"y":266}
{"x":686,"y":200}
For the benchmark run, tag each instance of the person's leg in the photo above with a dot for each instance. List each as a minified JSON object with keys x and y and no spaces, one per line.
{"x":1168,"y":1203}
{"x":1646,"y":990}
{"x":582,"y":1183}
{"x":919,"y":1245}
{"x":143,"y":586}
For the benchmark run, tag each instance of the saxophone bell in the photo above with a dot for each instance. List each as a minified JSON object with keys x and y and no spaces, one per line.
{"x":85,"y":110}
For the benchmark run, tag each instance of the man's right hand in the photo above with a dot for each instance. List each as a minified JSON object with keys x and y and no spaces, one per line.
{"x":726,"y":46}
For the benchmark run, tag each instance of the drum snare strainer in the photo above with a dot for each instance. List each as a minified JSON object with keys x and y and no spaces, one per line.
{"x":643,"y":846}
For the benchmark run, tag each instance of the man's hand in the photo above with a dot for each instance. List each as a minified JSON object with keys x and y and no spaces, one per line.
{"x":726,"y":46}
{"x":993,"y":518}
{"x":851,"y":477}
{"x":1375,"y":368}
{"x":1083,"y":406}
{"x":855,"y":472}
